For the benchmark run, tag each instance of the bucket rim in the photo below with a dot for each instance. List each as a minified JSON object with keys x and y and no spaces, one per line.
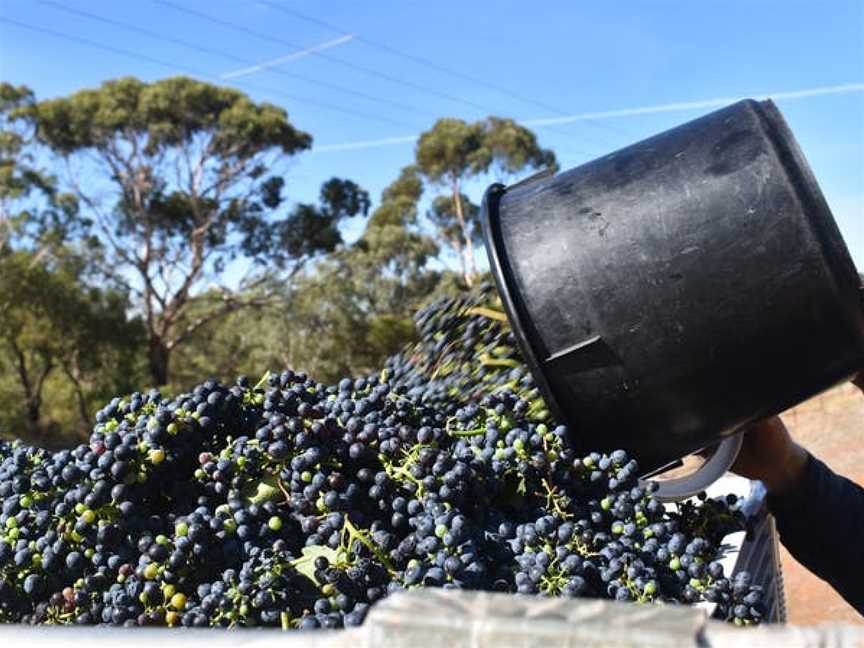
{"x":518,"y":319}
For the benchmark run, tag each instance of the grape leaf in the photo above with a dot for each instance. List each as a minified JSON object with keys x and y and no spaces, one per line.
{"x":265,"y":491}
{"x":306,"y":563}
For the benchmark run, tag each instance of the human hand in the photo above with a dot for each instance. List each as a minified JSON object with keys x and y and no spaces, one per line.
{"x":770,"y":455}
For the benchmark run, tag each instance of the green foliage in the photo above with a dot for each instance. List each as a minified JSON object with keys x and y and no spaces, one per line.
{"x":454,"y":151}
{"x":164,"y":115}
{"x":190,"y":171}
{"x":182,"y":178}
{"x":308,"y":229}
{"x":344,"y":317}
{"x":33,"y":213}
{"x":52,"y":327}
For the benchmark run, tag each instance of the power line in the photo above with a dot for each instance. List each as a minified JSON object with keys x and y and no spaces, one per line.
{"x":193,"y":71}
{"x":428,"y":63}
{"x":215,"y":52}
{"x":328,"y":57}
{"x":338,"y":61}
{"x":856,"y":87}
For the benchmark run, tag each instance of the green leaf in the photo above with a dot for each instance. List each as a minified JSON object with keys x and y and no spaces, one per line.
{"x":265,"y":491}
{"x":306,"y":563}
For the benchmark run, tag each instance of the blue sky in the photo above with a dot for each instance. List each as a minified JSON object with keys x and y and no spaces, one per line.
{"x":516,"y":59}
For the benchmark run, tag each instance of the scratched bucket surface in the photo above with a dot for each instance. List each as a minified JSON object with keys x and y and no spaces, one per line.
{"x":672,"y":292}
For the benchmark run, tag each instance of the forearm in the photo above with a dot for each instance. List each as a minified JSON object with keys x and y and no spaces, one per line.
{"x":821,"y":522}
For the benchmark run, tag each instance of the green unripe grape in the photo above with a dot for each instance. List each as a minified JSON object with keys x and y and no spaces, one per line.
{"x":617,"y":528}
{"x":80,"y":508}
{"x":88,"y":516}
{"x":11,"y":523}
{"x":151,"y":571}
{"x":650,"y":588}
{"x":181,"y":529}
{"x":306,"y":476}
{"x":519,"y":445}
{"x":161,"y":539}
{"x":168,"y":591}
{"x":274,"y":523}
{"x":172,"y":428}
{"x":441,"y":530}
{"x":26,"y":501}
{"x":178,"y":601}
{"x":328,"y":589}
{"x":674,"y":564}
{"x":157,"y":456}
{"x":89,"y":553}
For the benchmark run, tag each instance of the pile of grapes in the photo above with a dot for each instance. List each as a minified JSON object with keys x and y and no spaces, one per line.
{"x":295,"y":504}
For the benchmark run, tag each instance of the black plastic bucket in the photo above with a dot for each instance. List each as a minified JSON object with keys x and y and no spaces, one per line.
{"x":670,"y":293}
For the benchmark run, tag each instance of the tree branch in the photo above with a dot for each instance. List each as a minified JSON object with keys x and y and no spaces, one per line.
{"x":230,"y":305}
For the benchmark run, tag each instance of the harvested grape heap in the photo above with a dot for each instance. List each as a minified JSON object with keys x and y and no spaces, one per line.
{"x":296,"y":504}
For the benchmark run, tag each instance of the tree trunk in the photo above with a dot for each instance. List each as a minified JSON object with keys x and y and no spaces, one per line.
{"x":32,"y":393}
{"x":471,"y":271}
{"x":457,"y":245}
{"x":74,"y":375}
{"x":160,"y":357}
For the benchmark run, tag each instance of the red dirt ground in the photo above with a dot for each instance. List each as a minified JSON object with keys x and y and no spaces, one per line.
{"x":831,"y":426}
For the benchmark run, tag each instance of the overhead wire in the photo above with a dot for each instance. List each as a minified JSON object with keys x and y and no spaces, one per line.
{"x":195,"y":72}
{"x":216,"y":52}
{"x":339,"y":61}
{"x":430,"y":64}
{"x":329,"y":57}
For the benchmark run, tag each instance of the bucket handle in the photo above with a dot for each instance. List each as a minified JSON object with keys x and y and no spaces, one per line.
{"x":721,"y":460}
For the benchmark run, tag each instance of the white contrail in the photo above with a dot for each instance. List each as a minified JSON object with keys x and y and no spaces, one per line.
{"x":364,"y":144}
{"x":290,"y":57}
{"x":692,"y":105}
{"x":844,"y":88}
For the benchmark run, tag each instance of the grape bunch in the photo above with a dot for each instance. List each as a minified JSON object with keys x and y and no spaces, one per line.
{"x":296,"y":504}
{"x":466,"y":350}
